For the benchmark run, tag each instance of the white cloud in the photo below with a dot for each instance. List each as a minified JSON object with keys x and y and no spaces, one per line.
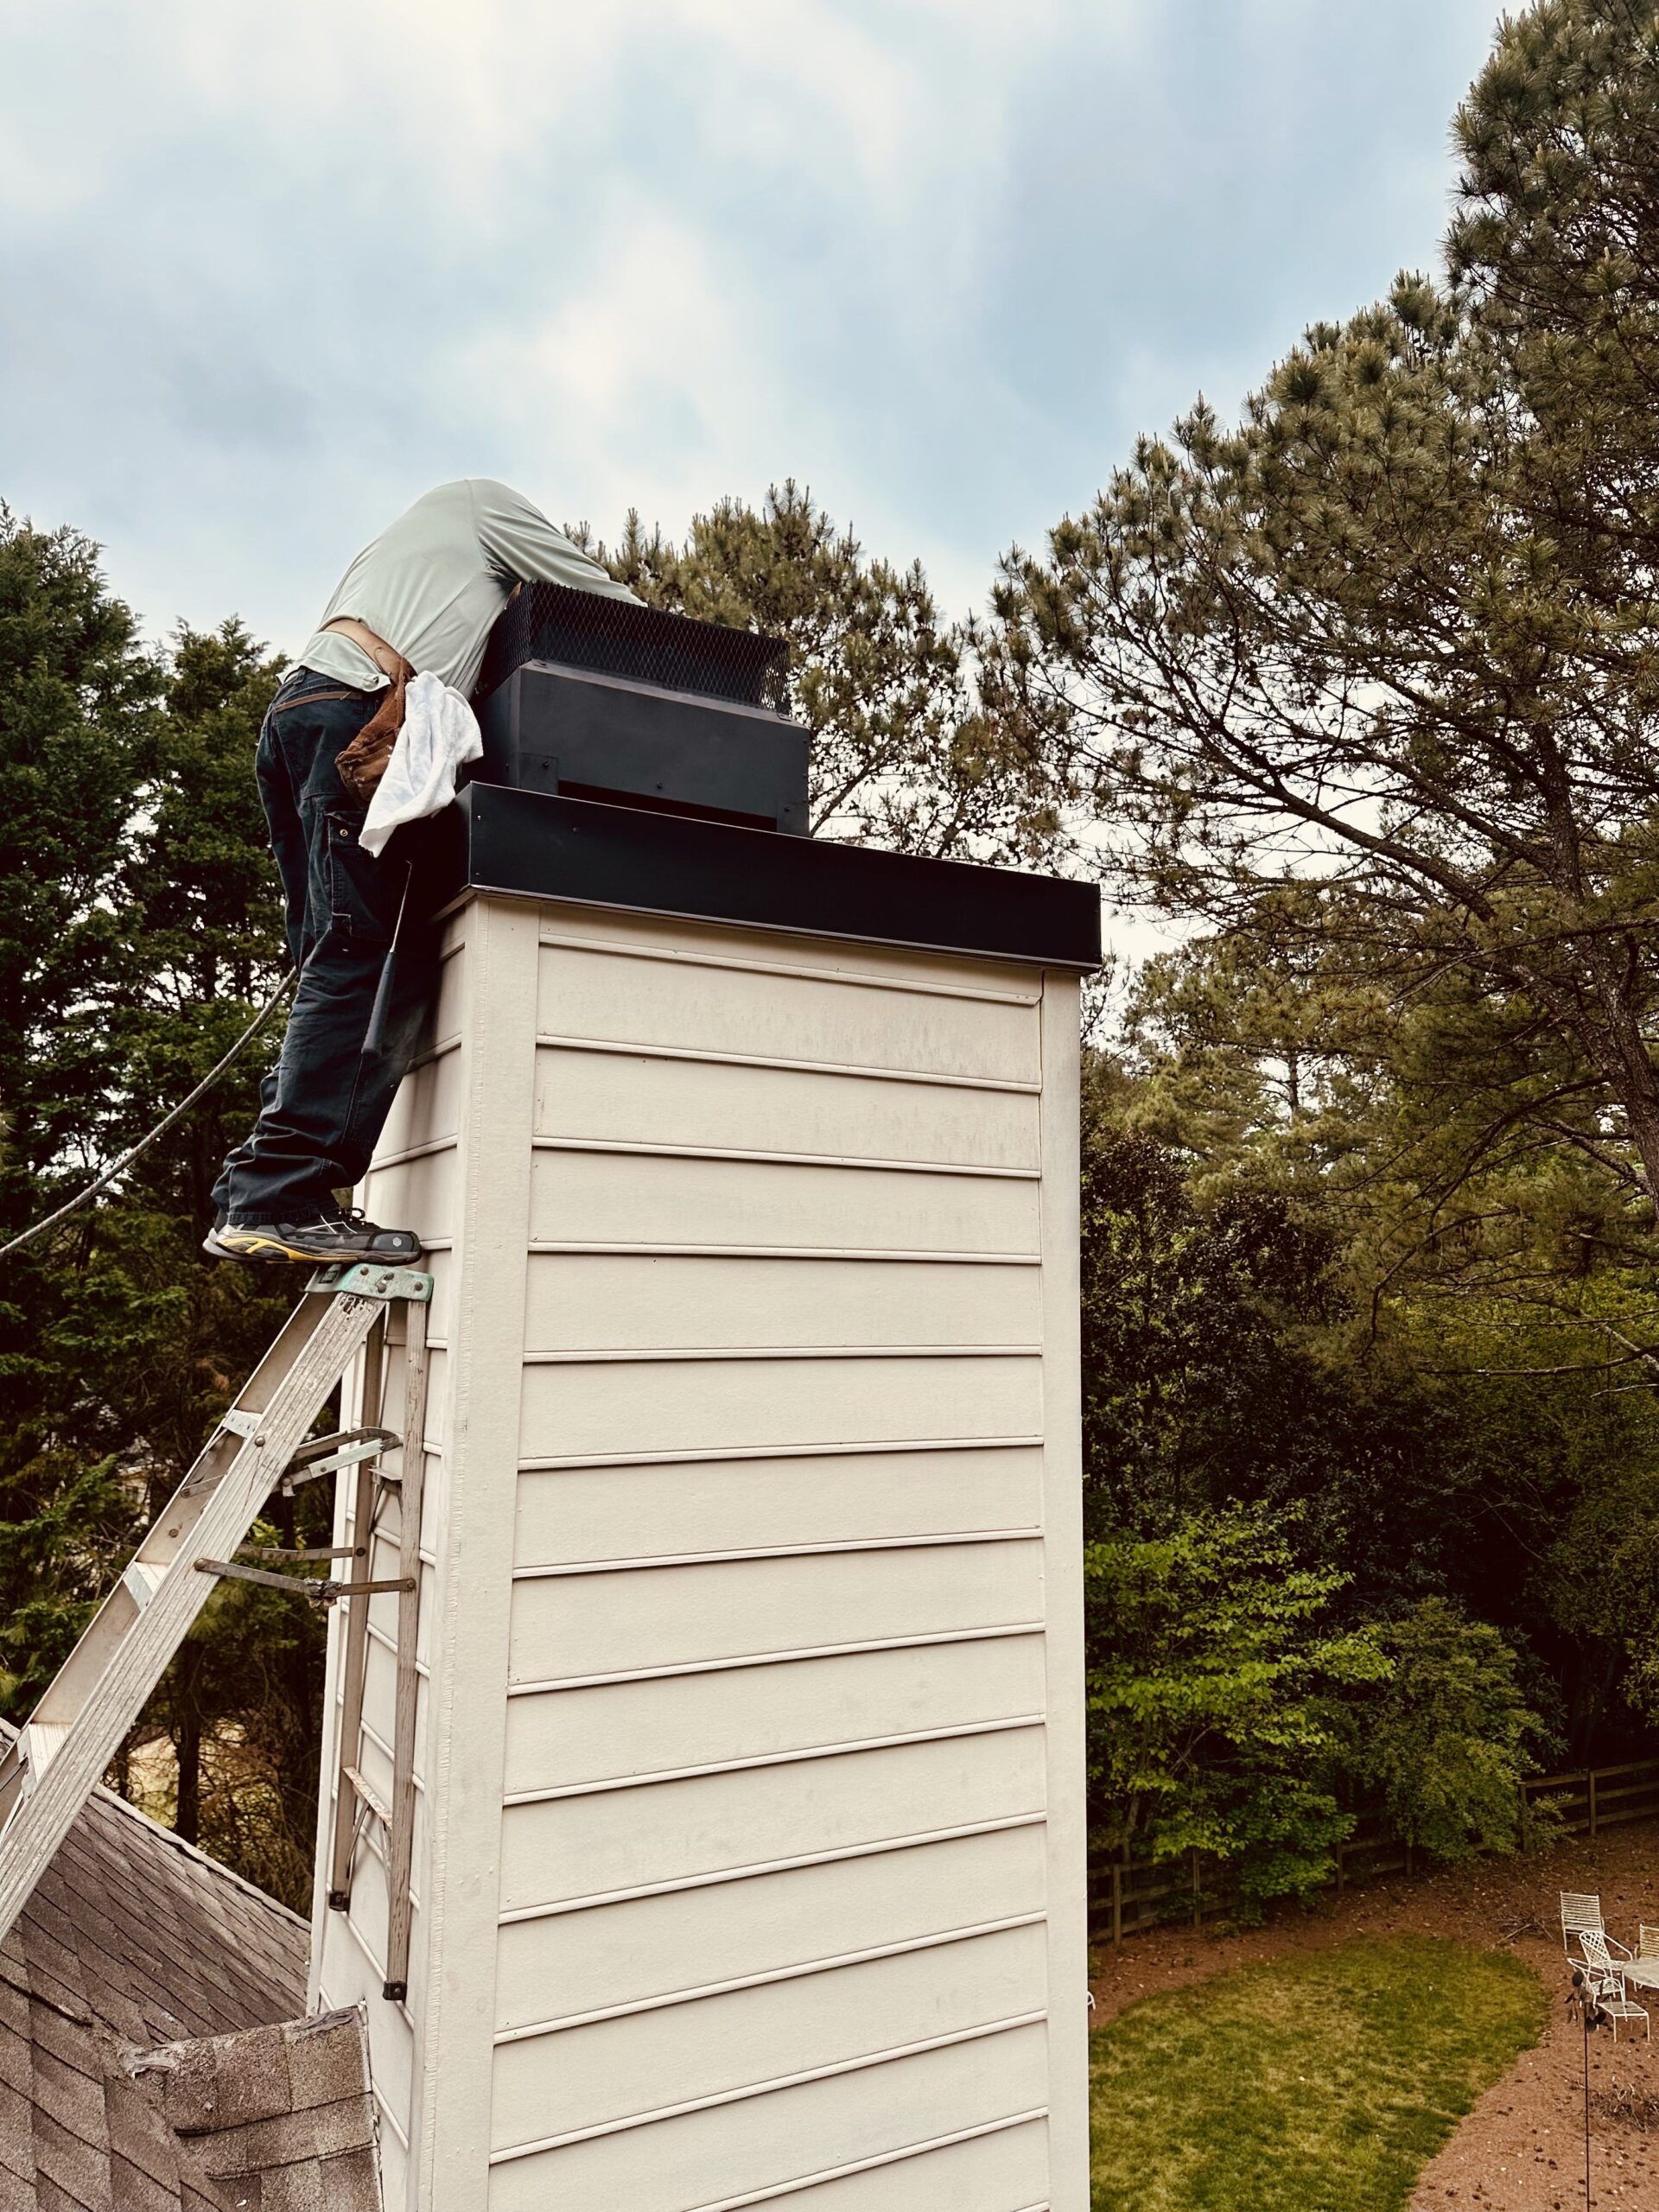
{"x":265,"y":272}
{"x":654,"y":375}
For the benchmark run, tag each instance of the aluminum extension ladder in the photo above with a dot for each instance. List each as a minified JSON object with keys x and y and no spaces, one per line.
{"x":58,"y":1757}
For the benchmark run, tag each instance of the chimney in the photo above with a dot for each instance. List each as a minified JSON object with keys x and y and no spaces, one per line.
{"x":749,"y":1845}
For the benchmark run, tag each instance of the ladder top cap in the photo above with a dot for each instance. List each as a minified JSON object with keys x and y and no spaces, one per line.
{"x":371,"y":1278}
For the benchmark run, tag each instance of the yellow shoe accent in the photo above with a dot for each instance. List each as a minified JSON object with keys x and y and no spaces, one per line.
{"x":263,"y":1245}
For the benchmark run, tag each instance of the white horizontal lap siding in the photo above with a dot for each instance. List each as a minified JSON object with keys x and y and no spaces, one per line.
{"x":663,"y":1724}
{"x":845,"y":1397}
{"x":657,"y":1948}
{"x":420,"y":1188}
{"x":641,"y":1198}
{"x":704,"y":1827}
{"x":774,"y":1883}
{"x":762,"y":2148}
{"x":1001,"y":2169}
{"x":618,"y":1096}
{"x":621,"y":2071}
{"x":875,"y":1017}
{"x":569,"y":1514}
{"x":632,"y":1301}
{"x":428,"y":1108}
{"x":566,"y":1627}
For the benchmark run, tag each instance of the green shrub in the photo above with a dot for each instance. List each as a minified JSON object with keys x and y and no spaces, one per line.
{"x":1444,"y":1740}
{"x":1217,"y":1695}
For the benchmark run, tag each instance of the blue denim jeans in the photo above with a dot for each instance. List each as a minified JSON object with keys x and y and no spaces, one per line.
{"x":325,"y":1104}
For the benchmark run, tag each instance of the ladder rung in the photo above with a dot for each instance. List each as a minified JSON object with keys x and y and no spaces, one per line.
{"x":240,"y":1423}
{"x":143,"y":1580}
{"x":42,"y":1740}
{"x":373,"y":1802}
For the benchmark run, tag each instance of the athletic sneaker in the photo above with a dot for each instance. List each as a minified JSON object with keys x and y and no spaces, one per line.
{"x":336,"y":1235}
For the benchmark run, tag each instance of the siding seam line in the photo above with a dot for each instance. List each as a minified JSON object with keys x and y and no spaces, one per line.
{"x":427,"y":1149}
{"x":719,"y":1876}
{"x":694,"y":1354}
{"x":565,"y":1463}
{"x":776,"y":1658}
{"x":942,"y":1539}
{"x":378,"y":1634}
{"x":771,"y":2194}
{"x":441,"y":1051}
{"x":761,"y":1760}
{"x":623,"y":1246}
{"x":383,"y":2105}
{"x":832,"y":1964}
{"x":754,"y":1156}
{"x":677,"y":957}
{"x":553,"y":1040}
{"x":839,"y":2070}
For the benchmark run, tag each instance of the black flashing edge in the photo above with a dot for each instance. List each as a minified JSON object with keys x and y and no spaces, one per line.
{"x":531,"y":845}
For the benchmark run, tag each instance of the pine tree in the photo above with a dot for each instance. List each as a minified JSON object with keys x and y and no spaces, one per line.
{"x":1378,"y":667}
{"x":78,"y":701}
{"x":137,"y":945}
{"x":241,"y":1706}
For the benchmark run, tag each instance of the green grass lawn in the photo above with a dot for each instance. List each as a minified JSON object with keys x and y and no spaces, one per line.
{"x":1316,"y":2083}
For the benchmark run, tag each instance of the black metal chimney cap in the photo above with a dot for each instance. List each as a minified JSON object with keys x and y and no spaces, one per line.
{"x":584,"y":629}
{"x":524,"y":844}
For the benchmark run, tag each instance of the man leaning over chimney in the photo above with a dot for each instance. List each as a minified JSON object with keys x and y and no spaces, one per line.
{"x":420,"y":598}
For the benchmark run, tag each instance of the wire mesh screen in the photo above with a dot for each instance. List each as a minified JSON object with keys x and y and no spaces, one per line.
{"x":582,"y":629}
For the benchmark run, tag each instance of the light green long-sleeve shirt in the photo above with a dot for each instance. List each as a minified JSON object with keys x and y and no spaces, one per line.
{"x":433,"y":583}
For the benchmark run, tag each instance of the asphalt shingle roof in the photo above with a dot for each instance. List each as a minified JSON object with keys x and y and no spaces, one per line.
{"x":133,"y":1942}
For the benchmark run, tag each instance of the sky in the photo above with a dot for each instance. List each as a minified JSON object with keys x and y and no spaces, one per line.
{"x":269,"y":272}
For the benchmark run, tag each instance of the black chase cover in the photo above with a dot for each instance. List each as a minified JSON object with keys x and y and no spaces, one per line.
{"x":582,"y":629}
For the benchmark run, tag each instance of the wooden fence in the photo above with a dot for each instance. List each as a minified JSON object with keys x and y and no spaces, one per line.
{"x":1126,"y":1893}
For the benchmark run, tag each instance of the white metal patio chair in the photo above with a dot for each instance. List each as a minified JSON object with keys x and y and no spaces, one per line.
{"x":1607,"y":1980}
{"x":1580,"y":1910}
{"x":1600,"y":1949}
{"x":1603,"y":1954}
{"x":1644,"y":1969}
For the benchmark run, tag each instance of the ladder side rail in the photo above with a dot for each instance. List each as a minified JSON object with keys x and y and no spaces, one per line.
{"x":174,"y":1526}
{"x":44,"y":1812}
{"x":348,"y":1717}
{"x":412,"y":1469}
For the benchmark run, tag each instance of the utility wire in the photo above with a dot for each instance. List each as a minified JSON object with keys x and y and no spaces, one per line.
{"x":162,"y":1126}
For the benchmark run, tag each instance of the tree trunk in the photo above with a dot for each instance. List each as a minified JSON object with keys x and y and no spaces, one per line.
{"x":1596,"y":1008}
{"x":1626,"y":1064}
{"x":188,"y":1745}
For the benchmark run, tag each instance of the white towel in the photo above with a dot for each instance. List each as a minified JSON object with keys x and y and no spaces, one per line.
{"x":440,"y":732}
